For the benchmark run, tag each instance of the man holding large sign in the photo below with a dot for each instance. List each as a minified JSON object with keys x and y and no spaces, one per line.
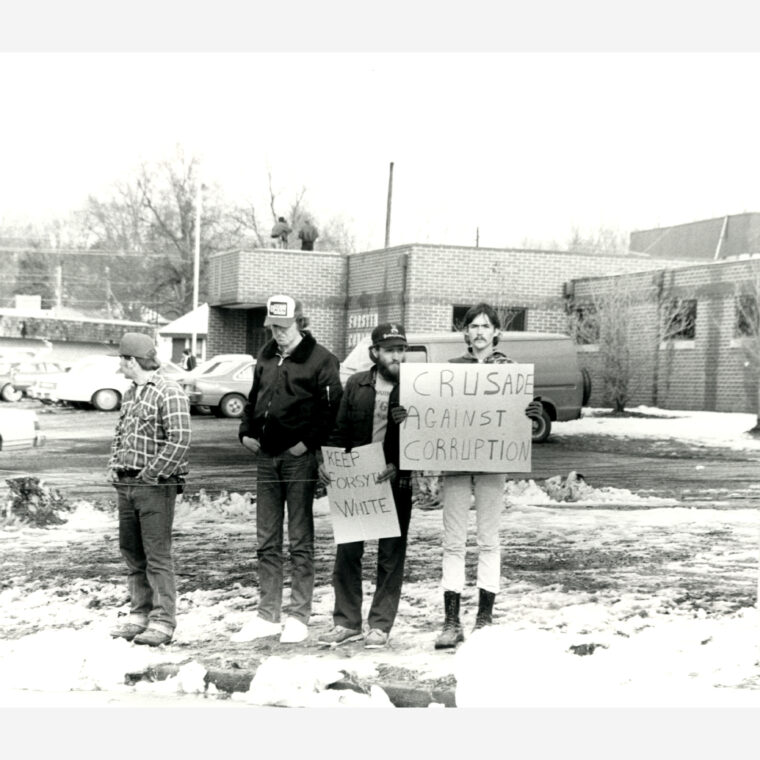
{"x":469,"y":421}
{"x":369,"y":413}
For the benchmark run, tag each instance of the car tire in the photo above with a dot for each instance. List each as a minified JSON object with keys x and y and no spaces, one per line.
{"x":586,"y":387}
{"x":9,"y":393}
{"x":232,"y":405}
{"x":542,"y":427}
{"x":106,"y":400}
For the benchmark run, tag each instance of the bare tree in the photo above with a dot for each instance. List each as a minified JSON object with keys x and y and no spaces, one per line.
{"x":151,"y":219}
{"x":604,"y":320}
{"x":613,"y":318}
{"x":604,"y":240}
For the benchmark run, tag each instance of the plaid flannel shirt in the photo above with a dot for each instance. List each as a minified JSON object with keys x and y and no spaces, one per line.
{"x":153,"y":431}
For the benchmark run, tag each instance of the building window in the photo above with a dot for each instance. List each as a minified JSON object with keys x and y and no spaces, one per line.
{"x":512,"y":317}
{"x":584,"y":324}
{"x":746,"y":321}
{"x":680,"y":319}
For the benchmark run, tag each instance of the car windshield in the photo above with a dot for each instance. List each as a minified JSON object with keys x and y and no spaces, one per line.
{"x":217,"y":367}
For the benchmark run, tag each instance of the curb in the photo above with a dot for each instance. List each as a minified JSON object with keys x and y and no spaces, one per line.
{"x":233,"y":680}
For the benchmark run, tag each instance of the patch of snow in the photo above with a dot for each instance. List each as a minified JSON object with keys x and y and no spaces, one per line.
{"x":557,"y":491}
{"x":721,"y":429}
{"x":68,"y":659}
{"x":293,"y":682}
{"x":700,"y":661}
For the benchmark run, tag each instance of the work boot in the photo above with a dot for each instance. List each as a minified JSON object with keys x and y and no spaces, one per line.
{"x":127,"y":631}
{"x":451,"y":634}
{"x":485,"y":609}
{"x":152,"y":637}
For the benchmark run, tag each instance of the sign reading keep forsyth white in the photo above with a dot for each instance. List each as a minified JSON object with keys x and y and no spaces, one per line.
{"x":360,"y":507}
{"x":466,"y":417}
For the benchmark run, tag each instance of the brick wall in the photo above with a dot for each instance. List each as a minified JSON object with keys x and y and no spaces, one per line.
{"x":712,"y":372}
{"x":345,"y":296}
{"x":226,"y":331}
{"x":440,"y":276}
{"x":248,"y":278}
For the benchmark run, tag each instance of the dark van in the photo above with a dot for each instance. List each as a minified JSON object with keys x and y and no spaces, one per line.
{"x":560,"y":385}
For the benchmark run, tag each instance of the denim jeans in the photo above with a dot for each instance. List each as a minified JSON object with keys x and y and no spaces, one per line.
{"x":285,"y":479}
{"x":489,"y":504}
{"x":347,"y":574}
{"x":146,"y":516}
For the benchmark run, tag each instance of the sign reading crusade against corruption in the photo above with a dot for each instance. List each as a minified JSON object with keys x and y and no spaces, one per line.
{"x":360,"y":507}
{"x":466,"y":417}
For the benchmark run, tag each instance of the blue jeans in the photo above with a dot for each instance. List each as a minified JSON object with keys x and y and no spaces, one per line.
{"x":146,"y":516}
{"x":391,"y":555}
{"x":285,"y":479}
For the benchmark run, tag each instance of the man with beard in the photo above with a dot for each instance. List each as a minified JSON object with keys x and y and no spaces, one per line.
{"x":369,"y":411}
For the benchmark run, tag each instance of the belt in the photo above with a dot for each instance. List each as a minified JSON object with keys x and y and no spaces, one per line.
{"x":128,"y":473}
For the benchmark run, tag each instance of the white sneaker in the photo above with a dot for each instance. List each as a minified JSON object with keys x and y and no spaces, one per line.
{"x":256,"y":628}
{"x":294,"y":631}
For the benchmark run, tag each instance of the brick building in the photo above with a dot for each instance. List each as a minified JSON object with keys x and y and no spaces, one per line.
{"x":691,"y":334}
{"x":424,"y":286}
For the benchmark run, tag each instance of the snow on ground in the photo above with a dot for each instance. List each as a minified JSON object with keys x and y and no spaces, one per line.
{"x":702,"y":428}
{"x":642,"y":647}
{"x":643,"y":643}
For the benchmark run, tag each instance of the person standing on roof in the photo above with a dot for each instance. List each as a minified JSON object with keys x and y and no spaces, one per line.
{"x":280,"y":232}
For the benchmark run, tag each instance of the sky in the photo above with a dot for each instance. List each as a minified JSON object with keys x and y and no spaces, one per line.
{"x":517,"y":147}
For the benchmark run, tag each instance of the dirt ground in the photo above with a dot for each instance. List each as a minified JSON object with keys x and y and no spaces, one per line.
{"x":552,"y":556}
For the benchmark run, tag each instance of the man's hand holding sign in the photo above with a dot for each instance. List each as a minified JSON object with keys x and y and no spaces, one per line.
{"x":467,"y":417}
{"x":359,"y":491}
{"x":370,"y":496}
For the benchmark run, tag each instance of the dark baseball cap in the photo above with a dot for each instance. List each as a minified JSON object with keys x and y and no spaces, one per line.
{"x":138,"y":345}
{"x":389,"y":334}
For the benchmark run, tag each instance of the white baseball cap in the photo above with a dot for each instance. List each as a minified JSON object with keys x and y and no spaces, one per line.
{"x":282,"y":311}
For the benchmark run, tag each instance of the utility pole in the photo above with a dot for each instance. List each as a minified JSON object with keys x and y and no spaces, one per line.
{"x":59,"y":285}
{"x":107,"y":272}
{"x":388,"y":210}
{"x":477,"y":237}
{"x":196,"y":258}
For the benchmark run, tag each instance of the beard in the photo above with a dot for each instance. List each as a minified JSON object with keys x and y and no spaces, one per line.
{"x":389,"y":372}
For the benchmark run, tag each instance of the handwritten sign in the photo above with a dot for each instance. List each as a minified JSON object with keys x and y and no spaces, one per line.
{"x":466,"y":417}
{"x":360,"y":507}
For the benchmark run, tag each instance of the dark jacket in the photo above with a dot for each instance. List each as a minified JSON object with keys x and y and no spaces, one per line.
{"x":353,"y":425}
{"x":292,"y":399}
{"x":497,"y":357}
{"x":308,"y":232}
{"x":281,"y":230}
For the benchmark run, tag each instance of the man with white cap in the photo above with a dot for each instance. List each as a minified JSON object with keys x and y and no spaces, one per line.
{"x":289,"y":416}
{"x":147,"y":466}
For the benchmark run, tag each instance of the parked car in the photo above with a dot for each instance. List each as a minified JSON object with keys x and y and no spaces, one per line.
{"x":222,"y":383}
{"x":25,"y":374}
{"x":14,"y":374}
{"x":174,"y":371}
{"x":94,"y":379}
{"x":19,"y":429}
{"x":560,"y":385}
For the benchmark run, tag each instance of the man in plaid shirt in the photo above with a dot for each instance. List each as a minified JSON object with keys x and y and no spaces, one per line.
{"x":147,"y":466}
